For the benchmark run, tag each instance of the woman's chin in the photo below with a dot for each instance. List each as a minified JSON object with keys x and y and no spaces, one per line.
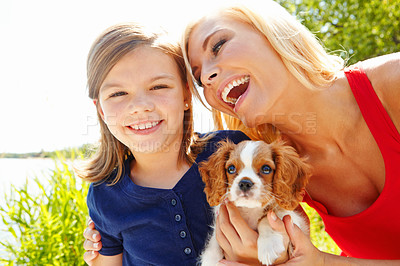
{"x":250,"y":123}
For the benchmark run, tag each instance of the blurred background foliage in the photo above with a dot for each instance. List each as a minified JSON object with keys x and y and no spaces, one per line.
{"x":361,"y":28}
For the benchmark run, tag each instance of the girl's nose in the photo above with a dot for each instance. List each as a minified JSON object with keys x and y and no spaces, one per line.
{"x":141,"y":104}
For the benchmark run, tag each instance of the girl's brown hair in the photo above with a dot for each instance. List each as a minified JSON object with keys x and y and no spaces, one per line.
{"x":114,"y":43}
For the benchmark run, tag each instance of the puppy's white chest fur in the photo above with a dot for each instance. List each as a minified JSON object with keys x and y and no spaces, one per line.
{"x":251,"y":216}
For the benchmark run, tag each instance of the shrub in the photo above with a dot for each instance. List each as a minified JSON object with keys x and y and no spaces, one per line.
{"x":46,"y":227}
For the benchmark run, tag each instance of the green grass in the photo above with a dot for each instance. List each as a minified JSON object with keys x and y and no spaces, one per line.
{"x":46,"y":229}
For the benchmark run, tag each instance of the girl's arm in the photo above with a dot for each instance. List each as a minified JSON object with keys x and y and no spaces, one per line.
{"x":107,"y":260}
{"x":92,"y":242}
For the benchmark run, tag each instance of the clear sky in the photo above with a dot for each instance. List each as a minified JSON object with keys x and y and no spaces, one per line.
{"x":43,"y":50}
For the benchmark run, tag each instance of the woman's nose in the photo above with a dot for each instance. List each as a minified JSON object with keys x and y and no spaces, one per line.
{"x":209,"y":74}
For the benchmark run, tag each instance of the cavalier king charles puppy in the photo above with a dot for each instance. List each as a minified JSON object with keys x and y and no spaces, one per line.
{"x":257,"y":177}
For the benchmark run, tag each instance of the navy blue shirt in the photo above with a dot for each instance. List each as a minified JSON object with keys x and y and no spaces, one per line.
{"x":155,"y":226}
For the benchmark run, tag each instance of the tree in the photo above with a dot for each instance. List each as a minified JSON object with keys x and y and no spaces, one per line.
{"x":361,"y":28}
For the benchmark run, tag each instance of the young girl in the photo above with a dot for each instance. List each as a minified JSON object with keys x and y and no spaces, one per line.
{"x":260,"y":65}
{"x":146,"y":196}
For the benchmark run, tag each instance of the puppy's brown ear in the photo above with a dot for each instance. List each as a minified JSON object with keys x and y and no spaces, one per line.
{"x":213,"y":173}
{"x":290,"y":177}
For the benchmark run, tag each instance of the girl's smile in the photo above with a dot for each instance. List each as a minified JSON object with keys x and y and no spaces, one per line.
{"x":143,"y":128}
{"x":144,"y":125}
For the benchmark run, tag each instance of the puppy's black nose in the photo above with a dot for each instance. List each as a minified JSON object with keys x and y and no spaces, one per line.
{"x":245,"y":185}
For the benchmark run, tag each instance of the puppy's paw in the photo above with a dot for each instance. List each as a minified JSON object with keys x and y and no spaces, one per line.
{"x":211,"y":257}
{"x":270,"y":248}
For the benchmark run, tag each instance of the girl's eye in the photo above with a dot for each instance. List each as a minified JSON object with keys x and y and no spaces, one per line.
{"x":231,"y":169}
{"x":217,"y":46}
{"x":116,"y":94}
{"x":158,"y":87}
{"x":265,"y":169}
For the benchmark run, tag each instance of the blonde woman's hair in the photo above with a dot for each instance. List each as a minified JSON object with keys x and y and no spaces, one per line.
{"x":301,"y":52}
{"x":114,"y":43}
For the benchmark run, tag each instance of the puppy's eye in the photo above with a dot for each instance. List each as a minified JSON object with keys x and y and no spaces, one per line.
{"x":265,"y":169}
{"x":231,"y":169}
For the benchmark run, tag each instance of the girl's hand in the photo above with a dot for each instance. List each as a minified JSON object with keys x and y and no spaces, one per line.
{"x":92,"y":242}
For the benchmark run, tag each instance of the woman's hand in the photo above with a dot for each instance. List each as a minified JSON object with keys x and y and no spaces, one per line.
{"x":235,"y":237}
{"x":92,"y":242}
{"x":305,"y":253}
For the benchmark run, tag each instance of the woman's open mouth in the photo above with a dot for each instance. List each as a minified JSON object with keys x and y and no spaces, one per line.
{"x":234,"y":90}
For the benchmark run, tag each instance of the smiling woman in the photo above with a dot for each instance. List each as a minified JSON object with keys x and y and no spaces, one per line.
{"x":225,"y":43}
{"x":291,"y":75}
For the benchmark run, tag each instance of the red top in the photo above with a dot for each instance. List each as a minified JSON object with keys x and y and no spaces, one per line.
{"x":375,"y":232}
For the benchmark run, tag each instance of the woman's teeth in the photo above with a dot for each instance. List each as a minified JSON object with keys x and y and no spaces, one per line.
{"x":230,"y":86}
{"x":145,"y":125}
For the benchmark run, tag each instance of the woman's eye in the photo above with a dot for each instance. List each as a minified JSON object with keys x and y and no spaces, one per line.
{"x":265,"y":169}
{"x":198,"y":81}
{"x":217,"y":46}
{"x":116,"y":94}
{"x":231,"y":169}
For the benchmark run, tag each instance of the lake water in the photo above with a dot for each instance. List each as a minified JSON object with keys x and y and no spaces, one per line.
{"x":17,"y":172}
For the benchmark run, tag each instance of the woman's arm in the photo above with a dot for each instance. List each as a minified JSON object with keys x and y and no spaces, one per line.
{"x":306,"y":254}
{"x":239,"y":243}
